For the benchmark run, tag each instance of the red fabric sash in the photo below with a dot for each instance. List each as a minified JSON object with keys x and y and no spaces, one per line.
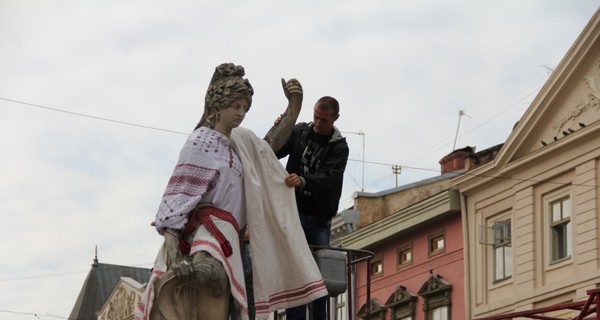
{"x":202,"y":216}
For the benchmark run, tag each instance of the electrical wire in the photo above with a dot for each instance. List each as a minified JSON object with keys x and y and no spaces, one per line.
{"x":490,"y":113}
{"x":91,"y":116}
{"x":47,"y":275}
{"x":45,"y":315}
{"x":37,"y":315}
{"x":486,"y":176}
{"x":60,"y":274}
{"x":177,"y":132}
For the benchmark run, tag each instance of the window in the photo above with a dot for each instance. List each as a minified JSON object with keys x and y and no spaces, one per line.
{"x":502,"y":250}
{"x":402,"y":304}
{"x":440,"y":313}
{"x":437,"y":243}
{"x":436,"y":292}
{"x":281,"y":314}
{"x":404,"y":255}
{"x":340,"y":307}
{"x":377,"y":266}
{"x":560,"y":229}
{"x":497,"y":236}
{"x":377,"y":311}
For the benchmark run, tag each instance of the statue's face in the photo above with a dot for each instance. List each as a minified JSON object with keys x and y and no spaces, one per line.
{"x":232,"y":116}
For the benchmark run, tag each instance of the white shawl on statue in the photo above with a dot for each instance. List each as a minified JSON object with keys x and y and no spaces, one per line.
{"x":285,"y":272}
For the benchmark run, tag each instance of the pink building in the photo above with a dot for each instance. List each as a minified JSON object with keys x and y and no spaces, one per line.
{"x":415,"y":234}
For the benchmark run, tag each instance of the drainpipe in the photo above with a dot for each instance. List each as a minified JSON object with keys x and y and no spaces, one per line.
{"x":466,"y":250}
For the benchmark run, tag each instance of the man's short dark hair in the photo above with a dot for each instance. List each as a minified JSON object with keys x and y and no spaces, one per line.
{"x":328,"y":103}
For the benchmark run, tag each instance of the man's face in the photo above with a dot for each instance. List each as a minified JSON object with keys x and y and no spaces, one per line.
{"x":323,"y":121}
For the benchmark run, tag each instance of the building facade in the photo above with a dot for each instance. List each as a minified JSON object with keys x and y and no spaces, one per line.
{"x":110,"y":292}
{"x":414,"y":233}
{"x":122,"y":301}
{"x":531,"y":215}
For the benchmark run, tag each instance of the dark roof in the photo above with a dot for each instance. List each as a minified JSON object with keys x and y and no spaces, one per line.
{"x":100,"y":282}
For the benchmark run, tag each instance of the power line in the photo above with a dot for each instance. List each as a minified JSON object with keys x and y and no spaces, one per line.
{"x":60,"y":274}
{"x":91,"y":116}
{"x":363,"y":161}
{"x":47,"y":275}
{"x":483,"y":175}
{"x":45,"y":315}
{"x":37,"y":315}
{"x":491,"y":113}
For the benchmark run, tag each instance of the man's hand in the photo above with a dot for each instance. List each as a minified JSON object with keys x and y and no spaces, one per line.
{"x":293,"y":180}
{"x":292,"y":89}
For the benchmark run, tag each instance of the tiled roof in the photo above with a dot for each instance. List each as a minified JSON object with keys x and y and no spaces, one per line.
{"x":99,"y":283}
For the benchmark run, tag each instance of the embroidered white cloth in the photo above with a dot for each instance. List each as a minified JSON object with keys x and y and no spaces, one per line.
{"x":208,"y":170}
{"x":203,"y":241}
{"x":285,"y":272}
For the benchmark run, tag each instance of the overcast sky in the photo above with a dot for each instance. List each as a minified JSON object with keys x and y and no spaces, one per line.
{"x":96,"y":99}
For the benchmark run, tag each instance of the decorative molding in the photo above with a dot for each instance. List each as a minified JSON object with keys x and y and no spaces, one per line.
{"x":592,"y":102}
{"x":400,"y":296}
{"x":436,"y":292}
{"x":402,"y":303}
{"x":434,"y":285}
{"x":376,"y":310}
{"x":121,"y":303}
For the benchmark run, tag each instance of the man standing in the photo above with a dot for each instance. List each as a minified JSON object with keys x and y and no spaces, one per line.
{"x":318,"y":154}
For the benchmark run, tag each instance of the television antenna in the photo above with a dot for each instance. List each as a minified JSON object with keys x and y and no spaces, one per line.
{"x":460,"y":114}
{"x":361,"y":133}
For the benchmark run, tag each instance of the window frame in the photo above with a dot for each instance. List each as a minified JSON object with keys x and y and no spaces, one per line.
{"x":340,"y":306}
{"x":374,"y":261}
{"x":402,"y":304}
{"x":399,"y":254}
{"x":437,"y":293}
{"x":430,"y":241}
{"x":565,"y":225}
{"x":447,"y":311}
{"x":502,"y":223}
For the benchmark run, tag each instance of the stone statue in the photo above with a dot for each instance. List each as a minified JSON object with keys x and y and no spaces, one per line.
{"x":190,"y":283}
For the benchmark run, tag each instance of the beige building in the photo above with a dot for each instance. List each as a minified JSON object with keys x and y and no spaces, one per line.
{"x":531,"y":215}
{"x":122,"y":300}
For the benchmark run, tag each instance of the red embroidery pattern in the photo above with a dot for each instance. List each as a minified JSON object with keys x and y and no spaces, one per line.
{"x":290,"y":295}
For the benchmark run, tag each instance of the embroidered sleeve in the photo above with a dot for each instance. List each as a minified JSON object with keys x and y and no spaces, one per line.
{"x":185,"y":190}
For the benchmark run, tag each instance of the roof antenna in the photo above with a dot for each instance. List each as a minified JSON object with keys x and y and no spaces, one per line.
{"x":460,"y":114}
{"x":96,"y":255}
{"x":548,"y":68}
{"x":361,"y":133}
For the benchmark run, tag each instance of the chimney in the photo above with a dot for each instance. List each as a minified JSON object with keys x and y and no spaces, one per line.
{"x":456,"y":159}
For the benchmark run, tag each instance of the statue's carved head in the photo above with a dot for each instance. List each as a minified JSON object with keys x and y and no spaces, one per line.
{"x":227,"y":85}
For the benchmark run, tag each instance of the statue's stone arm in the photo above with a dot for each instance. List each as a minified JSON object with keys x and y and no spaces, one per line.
{"x":282,"y":129}
{"x":176,"y":261}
